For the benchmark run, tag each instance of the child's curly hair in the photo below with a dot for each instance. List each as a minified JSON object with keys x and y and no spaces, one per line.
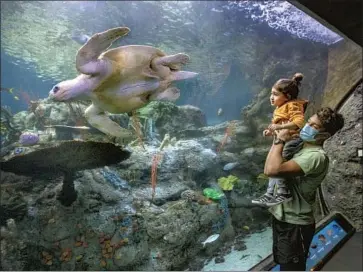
{"x":289,"y":87}
{"x":330,"y":119}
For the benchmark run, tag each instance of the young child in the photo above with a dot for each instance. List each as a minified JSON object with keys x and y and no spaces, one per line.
{"x":289,"y":114}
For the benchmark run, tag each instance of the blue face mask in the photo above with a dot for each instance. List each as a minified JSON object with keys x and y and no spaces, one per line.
{"x":308,"y":133}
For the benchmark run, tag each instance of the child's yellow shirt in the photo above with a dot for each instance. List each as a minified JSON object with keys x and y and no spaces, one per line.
{"x":291,"y":111}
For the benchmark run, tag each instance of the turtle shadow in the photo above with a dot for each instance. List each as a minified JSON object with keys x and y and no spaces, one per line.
{"x":64,"y":159}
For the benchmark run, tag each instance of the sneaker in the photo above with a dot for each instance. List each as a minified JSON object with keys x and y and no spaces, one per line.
{"x":278,"y":199}
{"x":262,"y":200}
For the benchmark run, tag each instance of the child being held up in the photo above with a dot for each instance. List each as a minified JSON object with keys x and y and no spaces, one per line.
{"x":288,"y":114}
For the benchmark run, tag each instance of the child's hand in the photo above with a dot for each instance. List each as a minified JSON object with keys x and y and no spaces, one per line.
{"x":274,"y":127}
{"x":267,"y":132}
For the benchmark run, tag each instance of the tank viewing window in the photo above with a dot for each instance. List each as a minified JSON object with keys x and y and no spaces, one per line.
{"x":184,"y":87}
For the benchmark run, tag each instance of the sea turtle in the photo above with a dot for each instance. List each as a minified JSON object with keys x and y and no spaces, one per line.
{"x":120,"y":80}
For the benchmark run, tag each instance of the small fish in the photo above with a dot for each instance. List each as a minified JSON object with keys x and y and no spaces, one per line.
{"x":10,"y":90}
{"x":246,"y":227}
{"x":230,"y":166}
{"x":244,"y":256}
{"x":216,"y":10}
{"x":210,"y":239}
{"x":220,"y":112}
{"x":16,"y":98}
{"x":64,"y":127}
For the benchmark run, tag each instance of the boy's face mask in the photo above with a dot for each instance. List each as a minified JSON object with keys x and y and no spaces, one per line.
{"x":311,"y":135}
{"x":308,"y":133}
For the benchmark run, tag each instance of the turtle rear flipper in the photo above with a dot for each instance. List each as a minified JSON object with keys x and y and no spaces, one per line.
{"x":177,"y":59}
{"x":87,"y":56}
{"x":98,"y":119}
{"x":170,"y":94}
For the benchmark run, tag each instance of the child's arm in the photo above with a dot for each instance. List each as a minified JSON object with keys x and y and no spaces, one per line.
{"x":295,"y":115}
{"x":289,"y":125}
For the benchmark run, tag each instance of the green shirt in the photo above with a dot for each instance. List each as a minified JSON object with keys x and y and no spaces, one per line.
{"x":314,"y":163}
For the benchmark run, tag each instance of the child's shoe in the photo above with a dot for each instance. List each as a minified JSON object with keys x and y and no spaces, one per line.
{"x":278,"y":199}
{"x":262,"y":200}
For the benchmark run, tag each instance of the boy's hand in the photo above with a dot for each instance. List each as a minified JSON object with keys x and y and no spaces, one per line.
{"x":274,"y":127}
{"x":267,"y":132}
{"x":283,"y":134}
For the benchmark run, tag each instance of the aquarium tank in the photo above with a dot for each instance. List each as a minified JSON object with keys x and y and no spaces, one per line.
{"x":132,"y":131}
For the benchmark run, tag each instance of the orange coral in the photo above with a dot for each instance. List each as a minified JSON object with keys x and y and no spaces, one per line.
{"x":107,"y":249}
{"x":47,"y":258}
{"x":155,"y":161}
{"x":136,"y":125}
{"x":66,"y":255}
{"x":81,"y":241}
{"x":230,"y":131}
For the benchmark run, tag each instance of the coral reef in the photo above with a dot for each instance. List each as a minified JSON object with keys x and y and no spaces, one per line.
{"x":114,"y":220}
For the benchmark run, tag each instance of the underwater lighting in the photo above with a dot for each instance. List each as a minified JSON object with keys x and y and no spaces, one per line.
{"x":282,"y":15}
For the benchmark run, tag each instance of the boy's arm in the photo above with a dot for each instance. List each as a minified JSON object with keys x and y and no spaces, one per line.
{"x":275,"y":166}
{"x":310,"y":163}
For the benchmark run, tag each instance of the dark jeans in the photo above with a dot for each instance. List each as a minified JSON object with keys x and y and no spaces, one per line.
{"x":291,"y":244}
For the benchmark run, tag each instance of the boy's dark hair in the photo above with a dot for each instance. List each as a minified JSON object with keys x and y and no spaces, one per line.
{"x":289,"y":87}
{"x":330,"y":119}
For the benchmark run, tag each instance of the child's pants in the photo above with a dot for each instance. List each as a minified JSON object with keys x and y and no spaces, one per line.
{"x":291,"y":147}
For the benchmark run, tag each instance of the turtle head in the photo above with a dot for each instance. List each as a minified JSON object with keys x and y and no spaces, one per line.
{"x":62,"y":91}
{"x":68,"y":90}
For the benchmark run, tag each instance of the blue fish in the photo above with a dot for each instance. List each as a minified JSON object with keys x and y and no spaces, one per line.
{"x":230,"y":166}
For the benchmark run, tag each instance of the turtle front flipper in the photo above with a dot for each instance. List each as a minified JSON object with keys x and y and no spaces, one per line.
{"x":97,"y":118}
{"x":87,"y":56}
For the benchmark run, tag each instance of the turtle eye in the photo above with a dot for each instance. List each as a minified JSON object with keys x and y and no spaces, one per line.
{"x":55,"y":89}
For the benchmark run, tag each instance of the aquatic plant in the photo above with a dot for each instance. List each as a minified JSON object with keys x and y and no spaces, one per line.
{"x":212,"y":193}
{"x":227,"y":183}
{"x":222,"y":221}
